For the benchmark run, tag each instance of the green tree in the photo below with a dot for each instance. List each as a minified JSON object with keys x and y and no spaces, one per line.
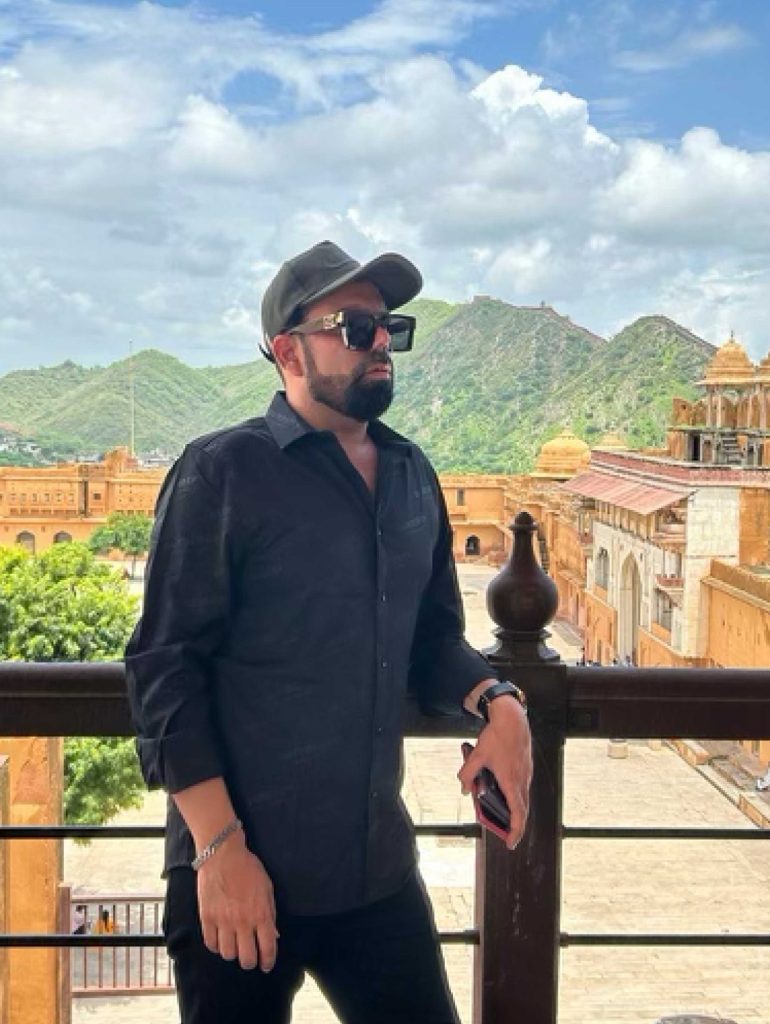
{"x":63,"y":605}
{"x":128,"y":532}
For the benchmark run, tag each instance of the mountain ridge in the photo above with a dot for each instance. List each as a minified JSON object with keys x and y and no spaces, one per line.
{"x":485,"y":385}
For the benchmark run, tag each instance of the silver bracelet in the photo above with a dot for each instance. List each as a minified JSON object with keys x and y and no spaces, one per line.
{"x":216,"y":842}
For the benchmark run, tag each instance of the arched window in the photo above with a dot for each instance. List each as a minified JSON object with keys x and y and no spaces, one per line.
{"x":62,"y":537}
{"x":603,"y":569}
{"x":26,"y":540}
{"x":473,"y":546}
{"x":662,"y":610}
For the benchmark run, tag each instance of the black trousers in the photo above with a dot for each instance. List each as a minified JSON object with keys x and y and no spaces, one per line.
{"x":379,"y":964}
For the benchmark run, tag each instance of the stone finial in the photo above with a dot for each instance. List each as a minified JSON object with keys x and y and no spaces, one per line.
{"x":522,"y":599}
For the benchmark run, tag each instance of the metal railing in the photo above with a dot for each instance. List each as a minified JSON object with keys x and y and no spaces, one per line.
{"x":517,"y":935}
{"x":98,"y":970}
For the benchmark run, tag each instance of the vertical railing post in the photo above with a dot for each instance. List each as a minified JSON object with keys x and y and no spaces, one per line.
{"x":518,"y":894}
{"x":5,"y":891}
{"x":64,"y":924}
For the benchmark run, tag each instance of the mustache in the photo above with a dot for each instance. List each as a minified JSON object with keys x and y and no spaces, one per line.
{"x":376,"y":359}
{"x":379,"y":359}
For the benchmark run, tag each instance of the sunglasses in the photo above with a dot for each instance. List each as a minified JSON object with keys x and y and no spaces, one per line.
{"x":359,"y":329}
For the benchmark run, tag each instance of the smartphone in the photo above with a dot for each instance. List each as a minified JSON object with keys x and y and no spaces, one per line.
{"x":491,"y":807}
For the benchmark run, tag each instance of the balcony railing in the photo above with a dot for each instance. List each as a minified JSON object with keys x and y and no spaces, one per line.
{"x":125,"y":970}
{"x":517,"y":931}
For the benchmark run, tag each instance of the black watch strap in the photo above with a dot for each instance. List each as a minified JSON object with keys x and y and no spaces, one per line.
{"x":498,"y":690}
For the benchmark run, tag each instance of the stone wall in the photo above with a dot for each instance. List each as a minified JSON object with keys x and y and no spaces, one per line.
{"x":738,"y":623}
{"x":754,"y":526}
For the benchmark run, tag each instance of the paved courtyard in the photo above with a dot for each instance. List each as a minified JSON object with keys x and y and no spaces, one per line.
{"x":607,"y":885}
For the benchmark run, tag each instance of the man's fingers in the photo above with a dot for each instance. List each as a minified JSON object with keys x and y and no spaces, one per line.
{"x":209,"y":936}
{"x":247,"y":949}
{"x":519,"y":810}
{"x":267,"y":942}
{"x":226,"y":941}
{"x":468,"y":772}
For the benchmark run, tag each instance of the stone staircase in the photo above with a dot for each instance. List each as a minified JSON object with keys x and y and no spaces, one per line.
{"x":730,"y":450}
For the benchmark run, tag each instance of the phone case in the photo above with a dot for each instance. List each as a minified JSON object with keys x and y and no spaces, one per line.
{"x":491,"y":808}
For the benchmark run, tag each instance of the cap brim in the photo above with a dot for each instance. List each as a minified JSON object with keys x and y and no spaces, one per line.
{"x":395,"y":277}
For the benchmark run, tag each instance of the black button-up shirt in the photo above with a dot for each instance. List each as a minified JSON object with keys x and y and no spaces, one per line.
{"x":287,"y":610}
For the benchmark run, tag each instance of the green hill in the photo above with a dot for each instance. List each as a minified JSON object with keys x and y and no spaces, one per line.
{"x":486,"y":384}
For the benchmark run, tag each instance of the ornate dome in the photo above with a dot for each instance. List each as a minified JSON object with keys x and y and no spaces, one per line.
{"x":562,"y":457}
{"x":730,"y":365}
{"x":763,"y":369}
{"x":613,"y":441}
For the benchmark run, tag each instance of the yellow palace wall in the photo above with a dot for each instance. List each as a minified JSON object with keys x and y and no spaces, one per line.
{"x":476,"y":507}
{"x":72,"y":499}
{"x":654,"y":650}
{"x":601,"y":627}
{"x":568,"y":569}
{"x":738,"y":623}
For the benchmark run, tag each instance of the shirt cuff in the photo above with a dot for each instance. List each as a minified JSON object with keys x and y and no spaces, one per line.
{"x":178,"y":761}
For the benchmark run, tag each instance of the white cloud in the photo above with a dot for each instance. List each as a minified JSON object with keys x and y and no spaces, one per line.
{"x":145,"y":193}
{"x":687,"y":47}
{"x":396,"y":24}
{"x":702,"y":194}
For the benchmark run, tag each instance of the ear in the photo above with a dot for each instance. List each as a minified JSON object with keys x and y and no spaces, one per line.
{"x":286,"y":351}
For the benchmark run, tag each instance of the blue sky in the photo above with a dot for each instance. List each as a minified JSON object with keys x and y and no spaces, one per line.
{"x":159,"y":160}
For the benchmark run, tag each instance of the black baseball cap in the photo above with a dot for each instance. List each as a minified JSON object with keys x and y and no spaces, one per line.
{"x":321,"y":270}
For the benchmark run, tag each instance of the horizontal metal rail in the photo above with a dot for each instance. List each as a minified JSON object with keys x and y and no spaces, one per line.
{"x":466,"y":936}
{"x":661,"y":939}
{"x":32,"y":940}
{"x":651,"y":832}
{"x":463,"y":830}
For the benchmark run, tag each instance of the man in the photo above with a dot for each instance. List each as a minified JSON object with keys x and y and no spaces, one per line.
{"x":78,"y":919}
{"x":301,"y":577}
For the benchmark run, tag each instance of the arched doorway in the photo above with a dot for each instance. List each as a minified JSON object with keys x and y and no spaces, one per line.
{"x":62,"y":537}
{"x":472,"y":546}
{"x":629,"y":610}
{"x":26,"y":540}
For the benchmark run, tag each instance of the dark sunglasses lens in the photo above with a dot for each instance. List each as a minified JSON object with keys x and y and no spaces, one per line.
{"x":360,"y":329}
{"x":400,"y":329}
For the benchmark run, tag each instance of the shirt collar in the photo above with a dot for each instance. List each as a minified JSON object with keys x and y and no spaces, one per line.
{"x":287,"y":426}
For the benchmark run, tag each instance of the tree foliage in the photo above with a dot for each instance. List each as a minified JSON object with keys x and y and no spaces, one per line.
{"x":128,"y":532}
{"x":63,"y":605}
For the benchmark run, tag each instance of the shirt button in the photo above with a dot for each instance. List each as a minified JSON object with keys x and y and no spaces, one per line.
{"x":383,"y":598}
{"x":379,"y":531}
{"x":383,"y":663}
{"x":375,"y":794}
{"x":379,"y":730}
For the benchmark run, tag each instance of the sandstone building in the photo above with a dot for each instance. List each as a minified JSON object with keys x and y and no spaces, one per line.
{"x":45,"y":505}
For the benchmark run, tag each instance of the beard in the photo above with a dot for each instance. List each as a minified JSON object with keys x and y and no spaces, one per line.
{"x":351,"y":395}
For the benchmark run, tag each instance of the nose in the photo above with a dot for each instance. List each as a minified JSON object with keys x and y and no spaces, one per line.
{"x":381,"y":338}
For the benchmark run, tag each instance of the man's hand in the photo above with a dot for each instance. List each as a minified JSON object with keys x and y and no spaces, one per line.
{"x":505,"y":748}
{"x":237,"y":909}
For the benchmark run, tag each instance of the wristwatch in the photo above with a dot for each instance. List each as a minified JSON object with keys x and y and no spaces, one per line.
{"x":498,"y":690}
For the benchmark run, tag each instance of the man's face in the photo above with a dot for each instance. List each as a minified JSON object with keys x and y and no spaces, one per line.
{"x":358,"y":385}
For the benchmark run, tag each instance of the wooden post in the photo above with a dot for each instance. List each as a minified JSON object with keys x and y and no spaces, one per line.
{"x":518,"y":894}
{"x":4,"y":889}
{"x":64,"y":924}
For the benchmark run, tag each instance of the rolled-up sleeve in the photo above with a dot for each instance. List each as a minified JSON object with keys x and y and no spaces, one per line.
{"x":444,"y":667}
{"x":186,"y":607}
